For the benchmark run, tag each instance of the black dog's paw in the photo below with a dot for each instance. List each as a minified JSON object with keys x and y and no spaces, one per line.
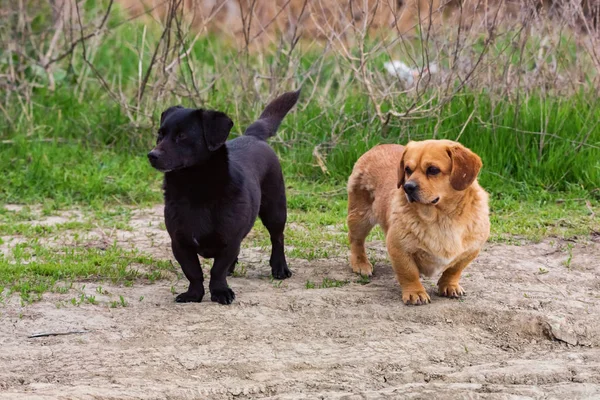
{"x":222,"y":295}
{"x":282,"y":272}
{"x":189,"y":297}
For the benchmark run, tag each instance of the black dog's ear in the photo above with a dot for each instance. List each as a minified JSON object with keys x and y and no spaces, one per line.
{"x":216,"y":126}
{"x":168,"y":111}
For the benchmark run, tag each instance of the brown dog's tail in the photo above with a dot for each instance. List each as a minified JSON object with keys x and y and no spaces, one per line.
{"x":270,"y":119}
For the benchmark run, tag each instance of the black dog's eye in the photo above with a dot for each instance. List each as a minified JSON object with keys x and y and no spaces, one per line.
{"x":159,"y":138}
{"x":180,"y":136}
{"x":408,"y":170}
{"x":433,"y":170}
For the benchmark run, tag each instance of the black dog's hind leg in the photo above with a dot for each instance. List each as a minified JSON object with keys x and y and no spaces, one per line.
{"x":273,"y":214}
{"x":219,"y":291}
{"x":188,"y":259}
{"x":232,"y":267}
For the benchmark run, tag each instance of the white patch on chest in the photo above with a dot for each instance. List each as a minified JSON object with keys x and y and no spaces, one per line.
{"x":431,"y":265}
{"x":437,"y":247}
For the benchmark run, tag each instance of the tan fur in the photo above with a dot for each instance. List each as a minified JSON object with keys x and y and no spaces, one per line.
{"x":422,"y":238}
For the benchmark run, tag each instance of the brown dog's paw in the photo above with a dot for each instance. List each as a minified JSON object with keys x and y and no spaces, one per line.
{"x":364,"y":268}
{"x":415,"y":297}
{"x":452,"y":290}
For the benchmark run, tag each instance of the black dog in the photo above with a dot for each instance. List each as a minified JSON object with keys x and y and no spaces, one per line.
{"x":215,"y":189}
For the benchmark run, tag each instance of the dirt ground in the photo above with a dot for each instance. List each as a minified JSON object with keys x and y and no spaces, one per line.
{"x":529,"y":328}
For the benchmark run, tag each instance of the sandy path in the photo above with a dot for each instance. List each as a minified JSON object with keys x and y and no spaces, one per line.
{"x":520,"y":333}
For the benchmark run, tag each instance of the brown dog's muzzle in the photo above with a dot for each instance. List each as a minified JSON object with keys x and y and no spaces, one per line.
{"x":411,"y":188}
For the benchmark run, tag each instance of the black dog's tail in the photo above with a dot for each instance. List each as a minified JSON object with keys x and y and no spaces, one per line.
{"x":270,"y":119}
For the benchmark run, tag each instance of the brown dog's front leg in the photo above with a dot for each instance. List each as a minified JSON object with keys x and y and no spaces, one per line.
{"x":408,"y":277}
{"x":448,"y":283}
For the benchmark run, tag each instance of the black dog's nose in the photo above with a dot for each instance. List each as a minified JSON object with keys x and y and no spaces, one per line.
{"x":410,"y":187}
{"x":153,"y":156}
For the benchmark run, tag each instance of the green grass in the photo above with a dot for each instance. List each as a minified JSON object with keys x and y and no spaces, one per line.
{"x":32,"y":269}
{"x":68,"y":174}
{"x":28,"y":230}
{"x":516,"y":163}
{"x":543,"y":216}
{"x":317,"y":220}
{"x":83,"y":145}
{"x":77,"y":144}
{"x":326,"y":283}
{"x":27,"y":223}
{"x":316,"y":230}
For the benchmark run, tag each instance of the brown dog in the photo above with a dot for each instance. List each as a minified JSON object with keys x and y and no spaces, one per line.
{"x":434,"y":213}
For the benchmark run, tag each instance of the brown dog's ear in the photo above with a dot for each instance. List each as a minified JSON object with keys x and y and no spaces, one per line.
{"x":216,"y":126}
{"x":465,"y":166}
{"x":401,"y":173}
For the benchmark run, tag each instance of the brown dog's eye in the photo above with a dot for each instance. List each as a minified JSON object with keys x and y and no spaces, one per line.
{"x":408,"y":171}
{"x":433,"y":171}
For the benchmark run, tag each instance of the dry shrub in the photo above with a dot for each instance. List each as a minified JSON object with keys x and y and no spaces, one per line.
{"x":261,"y":21}
{"x":506,"y":48}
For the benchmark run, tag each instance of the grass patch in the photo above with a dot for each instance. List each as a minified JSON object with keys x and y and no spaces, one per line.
{"x":543,"y":216}
{"x":240,"y":270}
{"x":316,"y":230}
{"x":314,"y":218}
{"x":72,"y":136}
{"x":317,"y":227}
{"x":69,"y":174}
{"x":32,"y":269}
{"x":84,"y":140}
{"x":38,"y":228}
{"x":515,"y":164}
{"x":326,"y":283}
{"x":28,"y":230}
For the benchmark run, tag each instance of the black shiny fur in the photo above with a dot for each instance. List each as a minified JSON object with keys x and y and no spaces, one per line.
{"x":214,"y":190}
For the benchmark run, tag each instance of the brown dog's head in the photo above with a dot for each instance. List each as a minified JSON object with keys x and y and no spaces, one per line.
{"x":434,"y":170}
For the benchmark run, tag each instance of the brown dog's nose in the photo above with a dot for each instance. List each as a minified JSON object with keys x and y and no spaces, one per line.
{"x":410,"y":187}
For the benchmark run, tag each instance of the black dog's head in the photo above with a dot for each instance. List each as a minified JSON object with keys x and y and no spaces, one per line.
{"x":187,"y":137}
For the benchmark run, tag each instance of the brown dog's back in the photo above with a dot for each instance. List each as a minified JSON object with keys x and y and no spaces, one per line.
{"x":373,"y":181}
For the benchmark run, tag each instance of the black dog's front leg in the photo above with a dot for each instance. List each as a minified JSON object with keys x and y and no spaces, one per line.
{"x":188,"y":259}
{"x":219,"y":291}
{"x":232,"y":268}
